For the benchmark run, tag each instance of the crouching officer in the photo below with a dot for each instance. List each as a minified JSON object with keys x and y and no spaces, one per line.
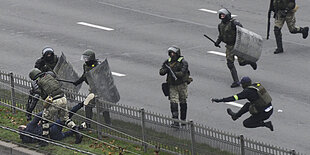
{"x":55,"y":103}
{"x":227,"y":34}
{"x":91,"y":62}
{"x":259,"y":106}
{"x":177,"y":79}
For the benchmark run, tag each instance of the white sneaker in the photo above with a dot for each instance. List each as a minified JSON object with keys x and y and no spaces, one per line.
{"x":83,"y":125}
{"x":88,"y":98}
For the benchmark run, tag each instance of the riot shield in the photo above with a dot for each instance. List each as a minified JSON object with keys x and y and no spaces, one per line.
{"x":65,"y":71}
{"x":101,"y":82}
{"x":249,"y":45}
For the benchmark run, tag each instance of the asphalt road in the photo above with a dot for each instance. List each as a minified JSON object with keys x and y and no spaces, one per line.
{"x":137,"y":46}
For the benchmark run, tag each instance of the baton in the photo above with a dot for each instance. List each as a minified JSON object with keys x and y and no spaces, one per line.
{"x":172,"y":73}
{"x":65,"y":81}
{"x":211,"y":39}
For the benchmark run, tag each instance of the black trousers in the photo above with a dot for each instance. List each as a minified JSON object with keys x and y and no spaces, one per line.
{"x":257,"y":120}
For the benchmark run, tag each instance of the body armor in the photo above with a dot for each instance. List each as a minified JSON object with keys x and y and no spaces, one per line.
{"x":263,"y":100}
{"x":227,"y":31}
{"x":50,"y":86}
{"x":176,"y":66}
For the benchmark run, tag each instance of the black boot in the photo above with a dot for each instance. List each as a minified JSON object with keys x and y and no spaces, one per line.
{"x":234,"y":84}
{"x":278,"y":36}
{"x":269,"y":125}
{"x":253,"y":65}
{"x":232,"y":114}
{"x":304,"y":32}
{"x":183,"y":112}
{"x":43,"y":143}
{"x":175,"y":114}
{"x":78,"y":136}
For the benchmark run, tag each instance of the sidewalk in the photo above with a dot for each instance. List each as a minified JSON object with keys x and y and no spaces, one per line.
{"x":12,"y":149}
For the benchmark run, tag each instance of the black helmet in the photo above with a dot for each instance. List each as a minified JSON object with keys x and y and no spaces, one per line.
{"x":34,"y":73}
{"x":226,"y":13}
{"x":175,"y":50}
{"x":48,"y":53}
{"x":88,"y":55}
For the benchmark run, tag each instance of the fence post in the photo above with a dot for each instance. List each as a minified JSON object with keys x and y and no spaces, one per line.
{"x":293,"y":152}
{"x":142,"y":114}
{"x":12,"y":93}
{"x":192,"y":130}
{"x":99,"y":129}
{"x":242,"y":145}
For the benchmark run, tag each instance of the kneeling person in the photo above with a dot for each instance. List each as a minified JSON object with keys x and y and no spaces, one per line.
{"x":259,"y":106}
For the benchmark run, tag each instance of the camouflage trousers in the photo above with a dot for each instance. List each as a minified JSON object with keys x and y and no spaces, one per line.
{"x":178,"y":93}
{"x":230,"y":56}
{"x":289,"y":18}
{"x":59,"y":110}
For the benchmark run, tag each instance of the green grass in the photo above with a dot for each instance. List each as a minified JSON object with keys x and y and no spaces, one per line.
{"x":13,"y":120}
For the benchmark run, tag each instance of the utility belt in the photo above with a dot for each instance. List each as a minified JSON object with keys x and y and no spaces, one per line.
{"x":49,"y":100}
{"x":58,"y":96}
{"x":253,"y":110}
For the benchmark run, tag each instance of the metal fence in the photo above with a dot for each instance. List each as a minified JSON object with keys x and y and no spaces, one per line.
{"x":146,"y":128}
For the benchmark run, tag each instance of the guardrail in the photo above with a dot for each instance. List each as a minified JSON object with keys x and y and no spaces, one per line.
{"x":150,"y":127}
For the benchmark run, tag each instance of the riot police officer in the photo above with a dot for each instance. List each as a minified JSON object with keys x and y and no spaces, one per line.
{"x":176,"y":69}
{"x":90,"y":60}
{"x":227,"y":34}
{"x":55,"y":102}
{"x":284,"y":11}
{"x":259,"y":106}
{"x":46,"y":63}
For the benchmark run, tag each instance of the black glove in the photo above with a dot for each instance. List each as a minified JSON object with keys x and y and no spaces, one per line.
{"x":216,"y":100}
{"x":216,"y":44}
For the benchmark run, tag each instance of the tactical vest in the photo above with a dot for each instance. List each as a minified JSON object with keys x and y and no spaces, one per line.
{"x":283,"y":4}
{"x":50,"y":86}
{"x":51,"y":65}
{"x":87,"y":68}
{"x":176,"y":66}
{"x":227,"y":32}
{"x":264,"y":97}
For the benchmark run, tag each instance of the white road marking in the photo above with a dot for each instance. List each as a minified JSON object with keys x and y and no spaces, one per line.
{"x":95,"y":26}
{"x":118,"y":74}
{"x":217,"y":53}
{"x":280,"y":110}
{"x":214,"y":12}
{"x":234,"y":104}
{"x":206,"y":10}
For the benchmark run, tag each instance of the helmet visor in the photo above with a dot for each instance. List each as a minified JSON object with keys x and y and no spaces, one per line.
{"x":85,"y":58}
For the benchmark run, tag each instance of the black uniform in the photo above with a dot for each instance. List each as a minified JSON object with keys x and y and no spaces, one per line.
{"x":259,"y":112}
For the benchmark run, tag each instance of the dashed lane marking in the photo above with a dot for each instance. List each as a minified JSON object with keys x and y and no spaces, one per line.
{"x":118,"y":74}
{"x":95,"y":26}
{"x":234,"y":104}
{"x":212,"y":11}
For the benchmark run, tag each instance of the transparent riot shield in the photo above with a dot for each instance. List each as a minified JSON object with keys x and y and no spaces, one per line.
{"x":101,"y":82}
{"x":249,"y":45}
{"x":65,"y":71}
